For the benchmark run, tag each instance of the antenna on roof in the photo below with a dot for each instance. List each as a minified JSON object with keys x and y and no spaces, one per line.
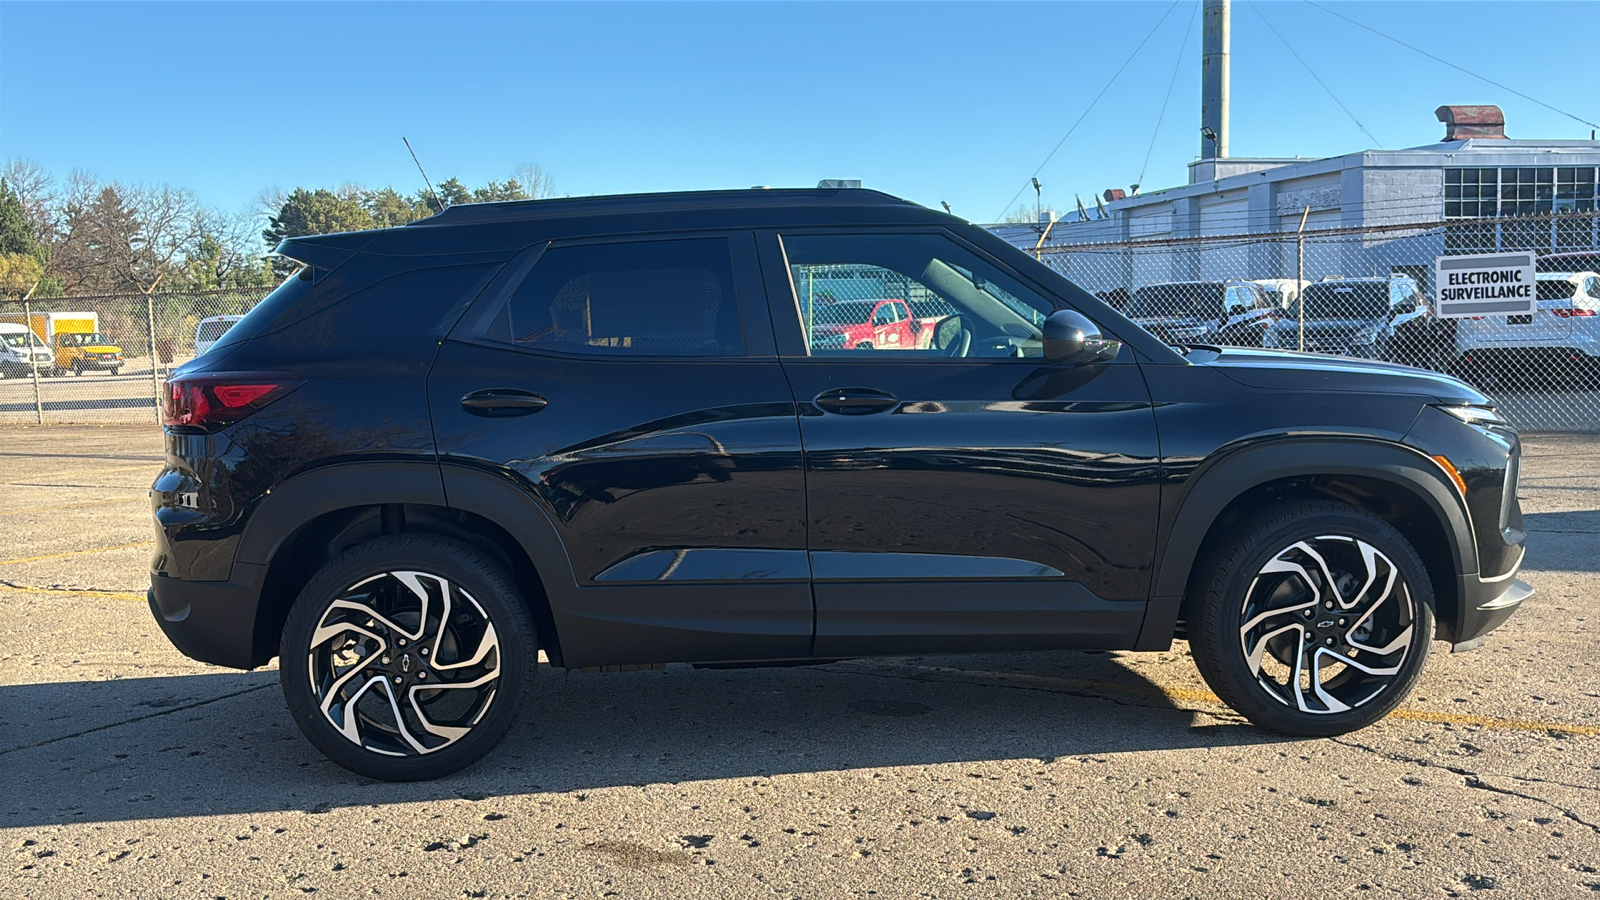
{"x":431,"y":192}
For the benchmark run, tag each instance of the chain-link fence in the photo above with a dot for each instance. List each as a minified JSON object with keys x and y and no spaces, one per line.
{"x":1365,"y":292}
{"x":101,"y":360}
{"x":1369,"y":292}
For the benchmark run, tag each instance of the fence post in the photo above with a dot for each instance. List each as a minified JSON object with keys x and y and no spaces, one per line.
{"x":33,"y":361}
{"x":155,"y":358}
{"x":1300,"y":275}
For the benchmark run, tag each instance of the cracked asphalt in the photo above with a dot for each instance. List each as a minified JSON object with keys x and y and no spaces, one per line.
{"x":128,"y":770}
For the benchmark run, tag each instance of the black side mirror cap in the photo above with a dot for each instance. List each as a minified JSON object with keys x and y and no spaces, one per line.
{"x":1070,"y":339}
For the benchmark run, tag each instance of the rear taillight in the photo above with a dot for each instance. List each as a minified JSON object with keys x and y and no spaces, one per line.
{"x":1571,"y":313}
{"x":207,"y":402}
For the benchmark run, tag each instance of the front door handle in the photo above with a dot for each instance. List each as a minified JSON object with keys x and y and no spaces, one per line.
{"x":499,"y":403}
{"x":856,"y":401}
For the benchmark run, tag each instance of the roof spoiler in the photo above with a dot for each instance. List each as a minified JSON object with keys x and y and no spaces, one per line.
{"x":324,"y":251}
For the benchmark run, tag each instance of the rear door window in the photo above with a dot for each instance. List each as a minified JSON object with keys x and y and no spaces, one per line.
{"x":639,"y":298}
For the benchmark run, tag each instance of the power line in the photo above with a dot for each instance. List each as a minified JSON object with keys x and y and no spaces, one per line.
{"x":1114,"y":77}
{"x":1178,"y":60}
{"x":1263,"y":17}
{"x":1452,"y":65}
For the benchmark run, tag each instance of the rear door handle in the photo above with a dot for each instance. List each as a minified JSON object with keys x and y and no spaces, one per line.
{"x":856,"y":401}
{"x":499,"y":403}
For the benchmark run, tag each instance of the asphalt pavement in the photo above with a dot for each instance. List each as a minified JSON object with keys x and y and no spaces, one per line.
{"x":128,"y":770}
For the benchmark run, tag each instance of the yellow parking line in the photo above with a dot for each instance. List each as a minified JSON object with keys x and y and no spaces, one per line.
{"x":113,"y":595}
{"x":55,"y":506}
{"x":7,"y":562}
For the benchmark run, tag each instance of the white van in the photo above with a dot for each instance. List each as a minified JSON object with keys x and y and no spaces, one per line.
{"x":211,"y":329}
{"x":21,"y":350}
{"x":1283,"y":292}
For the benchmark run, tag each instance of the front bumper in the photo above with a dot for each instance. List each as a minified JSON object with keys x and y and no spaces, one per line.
{"x":212,"y":621}
{"x":1485,"y":605}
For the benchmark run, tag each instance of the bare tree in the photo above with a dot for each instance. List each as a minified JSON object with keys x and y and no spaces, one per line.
{"x":170,"y":223}
{"x":535,"y":182}
{"x":37,"y":191}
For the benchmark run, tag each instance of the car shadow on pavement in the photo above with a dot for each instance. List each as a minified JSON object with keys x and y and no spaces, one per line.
{"x":1563,"y":541}
{"x":146,"y":748}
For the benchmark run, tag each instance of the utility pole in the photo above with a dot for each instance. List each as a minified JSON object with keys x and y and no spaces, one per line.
{"x":1300,"y":274}
{"x":1217,"y":15}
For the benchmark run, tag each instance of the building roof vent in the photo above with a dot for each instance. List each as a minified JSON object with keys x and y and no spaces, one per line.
{"x":1112,"y":195}
{"x":1462,"y":122}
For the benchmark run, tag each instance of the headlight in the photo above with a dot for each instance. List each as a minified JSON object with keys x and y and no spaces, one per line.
{"x":1475,"y":415}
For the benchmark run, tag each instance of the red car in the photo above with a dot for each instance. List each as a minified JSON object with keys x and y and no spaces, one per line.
{"x":869,"y":325}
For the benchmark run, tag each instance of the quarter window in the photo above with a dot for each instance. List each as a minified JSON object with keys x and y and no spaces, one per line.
{"x":655,"y":298}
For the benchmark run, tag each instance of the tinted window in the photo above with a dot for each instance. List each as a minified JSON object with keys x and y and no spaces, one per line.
{"x":1186,"y":300}
{"x":657,"y":298}
{"x":1356,"y":300}
{"x":1555,"y":289}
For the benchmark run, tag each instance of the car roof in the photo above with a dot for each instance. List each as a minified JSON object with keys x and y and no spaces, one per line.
{"x":485,"y":228}
{"x":678,"y":201}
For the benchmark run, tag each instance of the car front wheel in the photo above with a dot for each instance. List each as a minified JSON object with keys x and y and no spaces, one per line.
{"x":1315,"y":619}
{"x":407,"y":657}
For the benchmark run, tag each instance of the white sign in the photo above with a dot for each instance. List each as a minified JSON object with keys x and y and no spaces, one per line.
{"x":1487,"y":284}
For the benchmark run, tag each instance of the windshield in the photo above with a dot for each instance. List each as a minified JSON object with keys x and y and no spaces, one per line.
{"x":83,"y":339}
{"x":1025,"y":310}
{"x":1188,"y":300}
{"x":1357,"y":300}
{"x":20,"y":339}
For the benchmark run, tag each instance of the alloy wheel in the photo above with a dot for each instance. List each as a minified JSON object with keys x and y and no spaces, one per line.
{"x":1327,"y":625}
{"x":404,"y":663}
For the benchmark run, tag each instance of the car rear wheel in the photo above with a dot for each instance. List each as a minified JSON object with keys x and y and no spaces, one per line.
{"x":407,"y":657}
{"x":1315,"y":619}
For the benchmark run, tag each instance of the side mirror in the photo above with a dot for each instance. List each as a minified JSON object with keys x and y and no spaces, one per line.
{"x":1070,"y":339}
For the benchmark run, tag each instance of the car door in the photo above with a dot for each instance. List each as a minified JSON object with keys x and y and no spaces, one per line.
{"x":967,"y":496}
{"x":621,"y":401}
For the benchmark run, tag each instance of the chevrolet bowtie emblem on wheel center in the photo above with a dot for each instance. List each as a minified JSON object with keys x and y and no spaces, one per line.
{"x":1324,"y":625}
{"x":405,"y":662}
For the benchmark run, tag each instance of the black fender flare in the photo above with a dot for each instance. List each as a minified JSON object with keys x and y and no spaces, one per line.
{"x":303,"y":497}
{"x":1220,"y":479}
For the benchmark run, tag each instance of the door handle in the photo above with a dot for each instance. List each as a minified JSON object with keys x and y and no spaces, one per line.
{"x":856,"y":401}
{"x":499,"y":403}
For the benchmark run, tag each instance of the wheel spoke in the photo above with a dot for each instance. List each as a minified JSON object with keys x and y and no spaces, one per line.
{"x":1330,"y":703}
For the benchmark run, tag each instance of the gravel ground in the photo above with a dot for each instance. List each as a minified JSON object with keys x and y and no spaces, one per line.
{"x":129,"y":770}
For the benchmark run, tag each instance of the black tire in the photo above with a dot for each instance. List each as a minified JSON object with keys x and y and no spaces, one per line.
{"x":77,"y":367}
{"x":116,"y":371}
{"x":1247,"y":572}
{"x":495,"y":629}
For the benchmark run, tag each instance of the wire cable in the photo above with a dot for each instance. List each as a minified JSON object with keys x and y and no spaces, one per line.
{"x":1453,"y":65}
{"x":1176,"y":62}
{"x":1263,"y":17}
{"x":1092,"y":103}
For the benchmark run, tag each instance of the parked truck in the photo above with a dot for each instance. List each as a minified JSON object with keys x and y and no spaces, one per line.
{"x":877,"y":324}
{"x":75,"y":339}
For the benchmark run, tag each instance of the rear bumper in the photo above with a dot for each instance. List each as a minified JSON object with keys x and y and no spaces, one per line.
{"x":211,"y":621}
{"x":1485,"y":606}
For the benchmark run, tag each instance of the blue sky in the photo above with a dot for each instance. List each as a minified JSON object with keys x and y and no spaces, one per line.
{"x":952,"y":102}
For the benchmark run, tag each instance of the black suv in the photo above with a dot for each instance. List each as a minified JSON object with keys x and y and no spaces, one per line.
{"x":601,"y":428}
